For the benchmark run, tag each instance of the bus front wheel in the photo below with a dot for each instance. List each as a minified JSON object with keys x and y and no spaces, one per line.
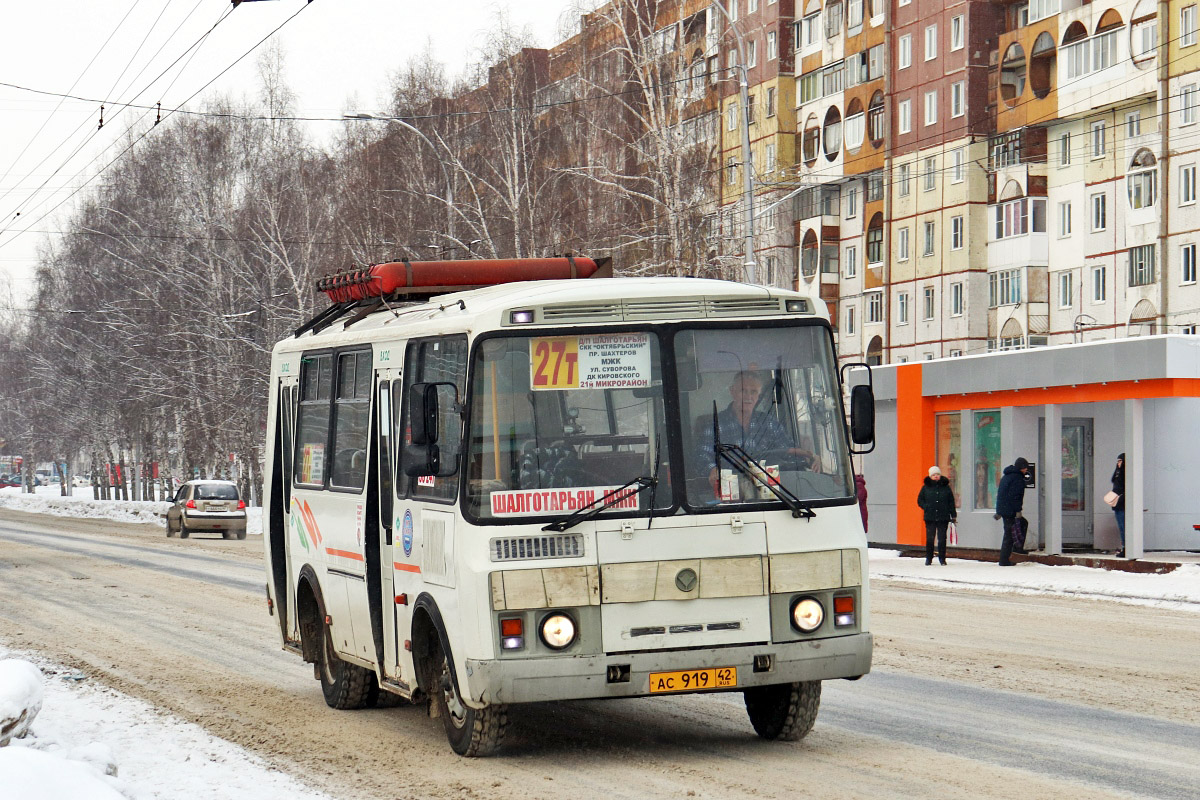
{"x":472,"y":732}
{"x":786,"y":711}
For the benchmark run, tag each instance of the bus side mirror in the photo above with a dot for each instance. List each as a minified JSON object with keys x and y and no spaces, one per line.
{"x":862,"y":414}
{"x":423,"y":412}
{"x":436,"y":435}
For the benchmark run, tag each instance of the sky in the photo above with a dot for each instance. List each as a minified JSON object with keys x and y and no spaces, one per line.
{"x":340,"y":55}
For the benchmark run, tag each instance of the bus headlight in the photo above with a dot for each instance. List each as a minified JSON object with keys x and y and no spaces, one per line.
{"x":807,"y":614}
{"x":558,"y":631}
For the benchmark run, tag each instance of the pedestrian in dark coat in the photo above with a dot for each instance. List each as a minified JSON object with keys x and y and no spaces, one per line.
{"x":936,"y":499}
{"x":1118,"y":487}
{"x":860,"y":490}
{"x":1010,"y":498}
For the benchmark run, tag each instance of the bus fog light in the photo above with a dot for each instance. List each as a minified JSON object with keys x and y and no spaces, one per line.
{"x":807,"y":614}
{"x":558,"y":631}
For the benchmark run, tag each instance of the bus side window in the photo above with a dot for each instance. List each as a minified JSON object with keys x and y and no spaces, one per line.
{"x":352,"y":419}
{"x":312,"y":426}
{"x":383,"y":447}
{"x":441,"y":360}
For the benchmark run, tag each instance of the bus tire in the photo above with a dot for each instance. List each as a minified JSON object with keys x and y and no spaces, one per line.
{"x":345,"y":686}
{"x":472,"y":732}
{"x":785,"y":711}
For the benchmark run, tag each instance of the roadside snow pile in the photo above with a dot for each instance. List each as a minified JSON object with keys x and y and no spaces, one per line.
{"x":68,"y":753}
{"x":35,"y":769}
{"x":1179,"y":589}
{"x":49,"y":500}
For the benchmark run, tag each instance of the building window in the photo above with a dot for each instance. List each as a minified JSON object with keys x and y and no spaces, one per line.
{"x":1064,"y":150}
{"x":931,"y":173}
{"x":1133,"y":124}
{"x":904,"y":57}
{"x":1190,"y":330}
{"x":772,"y":45}
{"x":1098,"y":148}
{"x":1144,"y":38}
{"x":731,"y":118}
{"x":1187,"y":184}
{"x":958,"y":173}
{"x":752,"y":53}
{"x":875,"y":245}
{"x":751,"y":6}
{"x":854,"y":14}
{"x":852,"y":202}
{"x":1142,"y":185}
{"x":875,"y":307}
{"x":851,"y":262}
{"x":750,"y":106}
{"x":1187,"y":26}
{"x":1004,"y":288}
{"x":1141,"y":265}
{"x":904,"y":180}
{"x":955,"y":353}
{"x":1187,"y":255}
{"x":958,"y":99}
{"x":874,"y":187}
{"x":930,"y":237}
{"x":929,"y":305}
{"x":850,"y":320}
{"x":957,"y":27}
{"x":833,"y":20}
{"x":1099,"y":284}
{"x":811,"y":25}
{"x":771,"y":163}
{"x":956,"y":232}
{"x":731,"y":169}
{"x":1066,"y":297}
{"x":902,"y":308}
{"x":1040,"y":9}
{"x":904,"y":111}
{"x":771,"y":101}
{"x":1099,"y":212}
{"x":772,"y":262}
{"x":1187,"y":104}
{"x":714,"y":70}
{"x":902,"y":244}
{"x":1019,"y":217}
{"x":931,"y":103}
{"x":931,"y":43}
{"x":956,"y":299}
{"x":1064,"y":218}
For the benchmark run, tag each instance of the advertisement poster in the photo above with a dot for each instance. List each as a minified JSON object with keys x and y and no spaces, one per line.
{"x":987,"y":458}
{"x":949,"y":449}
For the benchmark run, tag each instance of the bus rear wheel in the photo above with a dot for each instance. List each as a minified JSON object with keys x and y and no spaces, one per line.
{"x":786,"y":711}
{"x":345,"y":686}
{"x":472,"y":732}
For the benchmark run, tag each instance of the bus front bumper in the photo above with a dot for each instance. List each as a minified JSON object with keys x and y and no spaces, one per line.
{"x":534,"y":680}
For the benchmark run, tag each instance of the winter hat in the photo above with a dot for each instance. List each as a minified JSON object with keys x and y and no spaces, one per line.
{"x":1122,"y":456}
{"x":935,"y":470}
{"x":1020,"y":463}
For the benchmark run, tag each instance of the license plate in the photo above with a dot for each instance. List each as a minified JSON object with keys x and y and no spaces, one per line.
{"x":692,"y":680}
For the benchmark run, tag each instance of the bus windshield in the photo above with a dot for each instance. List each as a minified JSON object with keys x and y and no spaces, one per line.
{"x":773,"y":394}
{"x":559,"y":421}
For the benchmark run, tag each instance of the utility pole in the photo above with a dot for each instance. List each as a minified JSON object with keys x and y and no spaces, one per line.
{"x":751,"y":266}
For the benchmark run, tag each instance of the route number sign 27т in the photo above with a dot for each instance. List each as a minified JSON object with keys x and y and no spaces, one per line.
{"x":604,"y":361}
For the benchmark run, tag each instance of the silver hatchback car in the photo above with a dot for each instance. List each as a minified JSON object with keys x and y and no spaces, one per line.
{"x":207,"y":506}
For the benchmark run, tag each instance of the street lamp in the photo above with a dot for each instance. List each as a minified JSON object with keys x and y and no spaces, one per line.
{"x":747,"y":177}
{"x":449,"y":196}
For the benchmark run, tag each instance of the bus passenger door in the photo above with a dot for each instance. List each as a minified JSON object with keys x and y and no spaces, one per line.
{"x":384,"y":474}
{"x":279,"y":520}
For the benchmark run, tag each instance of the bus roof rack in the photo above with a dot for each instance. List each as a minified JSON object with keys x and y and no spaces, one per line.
{"x":369,"y":288}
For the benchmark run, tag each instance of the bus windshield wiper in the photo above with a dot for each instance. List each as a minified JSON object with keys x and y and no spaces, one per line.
{"x":593,"y":509}
{"x":746,"y":464}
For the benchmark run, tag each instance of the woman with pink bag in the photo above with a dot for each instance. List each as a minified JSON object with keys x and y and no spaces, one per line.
{"x":1118,"y":506}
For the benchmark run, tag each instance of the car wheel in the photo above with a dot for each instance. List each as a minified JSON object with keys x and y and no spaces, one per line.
{"x":345,"y":686}
{"x":785,"y":711}
{"x":472,"y":732}
{"x":241,"y":534}
{"x":183,"y":529}
{"x":170,"y":530}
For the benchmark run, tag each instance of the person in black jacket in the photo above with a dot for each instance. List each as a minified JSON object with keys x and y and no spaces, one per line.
{"x":1118,"y":487}
{"x":1010,"y":498}
{"x":936,"y":499}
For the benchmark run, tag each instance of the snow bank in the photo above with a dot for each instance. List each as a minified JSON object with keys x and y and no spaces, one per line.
{"x":20,"y":698}
{"x":49,"y":500}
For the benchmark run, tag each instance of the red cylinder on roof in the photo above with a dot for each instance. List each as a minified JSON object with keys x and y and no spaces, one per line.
{"x":384,"y":279}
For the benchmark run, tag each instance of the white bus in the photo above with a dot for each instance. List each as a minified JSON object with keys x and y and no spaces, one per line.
{"x":559,"y":489}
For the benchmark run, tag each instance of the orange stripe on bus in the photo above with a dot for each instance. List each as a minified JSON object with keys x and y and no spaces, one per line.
{"x":344,"y":554}
{"x":406,"y":567}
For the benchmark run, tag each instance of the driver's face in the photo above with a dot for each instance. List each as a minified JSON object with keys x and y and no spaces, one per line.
{"x":745,"y":396}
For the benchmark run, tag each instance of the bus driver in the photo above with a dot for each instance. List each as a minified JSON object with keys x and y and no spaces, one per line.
{"x":759,"y":433}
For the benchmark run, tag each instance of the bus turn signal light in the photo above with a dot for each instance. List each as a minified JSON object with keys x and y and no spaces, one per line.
{"x":843,"y":611}
{"x":512,"y":633}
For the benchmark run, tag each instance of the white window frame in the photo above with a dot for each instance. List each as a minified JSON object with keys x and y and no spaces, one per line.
{"x":850,"y":320}
{"x":1133,"y":124}
{"x":904,"y":183}
{"x":928,"y":304}
{"x":1099,"y":146}
{"x":958,"y":166}
{"x":904,"y":113}
{"x":902,"y":308}
{"x":1066,"y":293}
{"x":1099,"y":284}
{"x":931,"y":42}
{"x":1142,"y":187}
{"x":769,"y":158}
{"x":1099,"y":211}
{"x":931,"y":107}
{"x":851,"y":202}
{"x":957,"y":305}
{"x":771,"y":101}
{"x":904,"y":54}
{"x":772,"y":45}
{"x":929,"y":239}
{"x":1064,"y":219}
{"x":752,"y":54}
{"x":851,"y":262}
{"x":1187,"y":262}
{"x":751,"y":6}
{"x":958,"y":26}
{"x":957,"y":232}
{"x":1187,"y":26}
{"x":958,"y":99}
{"x":1187,"y":185}
{"x":1187,"y":104}
{"x":1064,"y":149}
{"x":874,"y":307}
{"x":1004,"y":288}
{"x":902,"y":244}
{"x":930,"y":173}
